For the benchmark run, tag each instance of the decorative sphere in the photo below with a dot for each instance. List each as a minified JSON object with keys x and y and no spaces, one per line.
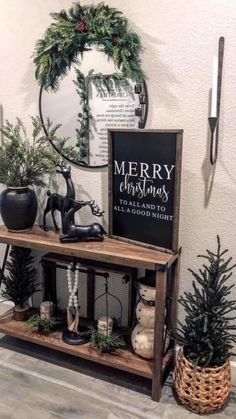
{"x":143,"y":341}
{"x":145,"y":315}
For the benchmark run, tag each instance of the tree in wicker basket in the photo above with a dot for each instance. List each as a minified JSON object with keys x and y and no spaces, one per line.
{"x":202,"y":376}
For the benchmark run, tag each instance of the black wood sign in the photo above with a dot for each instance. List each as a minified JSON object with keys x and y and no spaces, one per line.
{"x":144,"y":186}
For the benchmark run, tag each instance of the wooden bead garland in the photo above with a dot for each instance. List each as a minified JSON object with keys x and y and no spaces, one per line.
{"x":73,"y":307}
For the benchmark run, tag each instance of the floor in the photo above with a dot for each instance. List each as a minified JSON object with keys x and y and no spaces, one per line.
{"x":31,"y":387}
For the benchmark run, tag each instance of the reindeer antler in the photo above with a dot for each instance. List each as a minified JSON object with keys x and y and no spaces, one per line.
{"x":95,"y":209}
{"x":59,"y":165}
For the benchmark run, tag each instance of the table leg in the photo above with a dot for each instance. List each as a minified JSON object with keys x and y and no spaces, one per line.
{"x":175,"y":291}
{"x":160,"y":305}
{"x":2,"y":269}
{"x":91,"y":277}
{"x":49,"y":281}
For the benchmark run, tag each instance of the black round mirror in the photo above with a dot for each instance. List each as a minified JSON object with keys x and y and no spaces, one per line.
{"x":82,"y":103}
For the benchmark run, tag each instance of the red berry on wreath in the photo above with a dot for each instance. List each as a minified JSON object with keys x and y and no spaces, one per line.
{"x":115,"y":38}
{"x":82,"y":26}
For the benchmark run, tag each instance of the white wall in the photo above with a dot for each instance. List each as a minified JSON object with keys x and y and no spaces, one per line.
{"x":180,"y":39}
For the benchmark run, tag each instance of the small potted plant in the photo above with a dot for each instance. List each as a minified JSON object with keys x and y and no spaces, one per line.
{"x":43,"y":326}
{"x":106,"y":342}
{"x":21,"y":281}
{"x":202,"y":376}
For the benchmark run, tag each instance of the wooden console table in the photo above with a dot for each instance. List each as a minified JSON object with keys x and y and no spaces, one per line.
{"x":163,"y":265}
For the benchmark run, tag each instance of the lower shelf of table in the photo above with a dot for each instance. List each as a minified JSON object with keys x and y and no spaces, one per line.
{"x":122,"y":359}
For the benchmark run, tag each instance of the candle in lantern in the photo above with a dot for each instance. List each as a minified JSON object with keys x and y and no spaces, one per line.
{"x":214,"y":88}
{"x":105,"y":325}
{"x":46,"y":310}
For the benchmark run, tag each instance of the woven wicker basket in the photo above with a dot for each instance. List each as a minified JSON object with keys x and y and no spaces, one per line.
{"x":201,"y":390}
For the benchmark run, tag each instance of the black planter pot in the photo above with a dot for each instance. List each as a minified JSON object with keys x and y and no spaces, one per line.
{"x":18,"y":208}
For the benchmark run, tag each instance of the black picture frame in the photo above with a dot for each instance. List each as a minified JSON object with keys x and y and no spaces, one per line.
{"x":144,"y":172}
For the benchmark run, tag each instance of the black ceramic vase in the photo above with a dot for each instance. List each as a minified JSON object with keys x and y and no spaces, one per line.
{"x":18,"y":208}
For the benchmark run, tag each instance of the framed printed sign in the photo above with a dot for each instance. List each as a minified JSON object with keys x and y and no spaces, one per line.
{"x":144,"y":187}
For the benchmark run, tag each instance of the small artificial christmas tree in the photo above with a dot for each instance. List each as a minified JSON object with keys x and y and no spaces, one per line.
{"x":21,"y":281}
{"x":208,"y":334}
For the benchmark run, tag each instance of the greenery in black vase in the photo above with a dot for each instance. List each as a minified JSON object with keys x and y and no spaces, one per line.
{"x":24,"y":162}
{"x":208,"y":334}
{"x":21,"y":282}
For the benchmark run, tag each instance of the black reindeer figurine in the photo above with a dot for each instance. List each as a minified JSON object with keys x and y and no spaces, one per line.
{"x":68,"y":206}
{"x":59,"y":202}
{"x":74,"y":232}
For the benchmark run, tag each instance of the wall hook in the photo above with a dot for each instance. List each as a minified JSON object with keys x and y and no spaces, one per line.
{"x":214,"y":118}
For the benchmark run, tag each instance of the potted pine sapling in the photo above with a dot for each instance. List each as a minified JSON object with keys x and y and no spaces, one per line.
{"x":106,"y":343}
{"x":21,"y":281}
{"x":202,"y":376}
{"x":43,"y":326}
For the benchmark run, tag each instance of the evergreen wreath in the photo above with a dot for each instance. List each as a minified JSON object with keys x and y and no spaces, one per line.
{"x":74,"y":31}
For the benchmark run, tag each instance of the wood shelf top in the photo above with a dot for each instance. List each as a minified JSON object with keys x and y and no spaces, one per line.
{"x":110,"y":250}
{"x":123,"y":359}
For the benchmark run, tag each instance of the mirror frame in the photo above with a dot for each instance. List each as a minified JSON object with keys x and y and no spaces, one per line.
{"x":81,"y":164}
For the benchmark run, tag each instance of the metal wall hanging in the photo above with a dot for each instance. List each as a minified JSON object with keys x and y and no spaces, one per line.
{"x":215,"y":101}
